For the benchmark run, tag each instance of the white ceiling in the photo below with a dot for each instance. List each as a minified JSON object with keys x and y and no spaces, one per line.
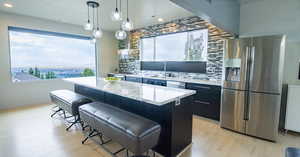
{"x":75,"y":11}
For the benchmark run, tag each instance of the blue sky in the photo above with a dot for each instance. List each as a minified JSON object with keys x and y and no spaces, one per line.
{"x":36,"y":50}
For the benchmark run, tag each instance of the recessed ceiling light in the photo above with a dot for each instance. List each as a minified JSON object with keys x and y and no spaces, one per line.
{"x":8,"y":5}
{"x":160,"y":20}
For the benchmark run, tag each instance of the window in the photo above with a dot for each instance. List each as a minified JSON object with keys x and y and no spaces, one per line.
{"x":185,"y":46}
{"x":38,"y":55}
{"x":171,"y":47}
{"x":148,"y":49}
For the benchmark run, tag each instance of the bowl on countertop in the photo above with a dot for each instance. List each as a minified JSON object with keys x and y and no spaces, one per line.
{"x":112,"y":79}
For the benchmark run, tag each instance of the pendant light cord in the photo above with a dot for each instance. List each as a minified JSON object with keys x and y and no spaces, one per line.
{"x":116,"y":4}
{"x":88,"y":13}
{"x":94,"y":17}
{"x":127,"y":10}
{"x":97,"y":18}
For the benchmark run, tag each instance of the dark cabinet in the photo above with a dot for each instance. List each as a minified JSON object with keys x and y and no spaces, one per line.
{"x":133,"y":79}
{"x":155,"y":82}
{"x":206,"y":101}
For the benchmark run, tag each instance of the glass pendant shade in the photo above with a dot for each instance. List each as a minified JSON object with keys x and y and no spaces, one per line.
{"x":127,"y":25}
{"x":116,"y":15}
{"x":121,"y":35}
{"x":88,"y":26}
{"x":97,"y":33}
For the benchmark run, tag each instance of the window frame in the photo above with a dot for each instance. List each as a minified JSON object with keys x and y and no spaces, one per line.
{"x":49,"y":33}
{"x":155,"y":49}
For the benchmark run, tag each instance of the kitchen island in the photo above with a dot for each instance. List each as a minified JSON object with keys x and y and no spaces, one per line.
{"x":170,"y":107}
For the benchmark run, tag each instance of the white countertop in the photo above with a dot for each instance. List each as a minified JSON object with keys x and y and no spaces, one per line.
{"x":157,"y":95}
{"x":187,"y":80}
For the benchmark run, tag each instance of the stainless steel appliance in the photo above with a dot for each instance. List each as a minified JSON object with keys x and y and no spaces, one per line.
{"x":252,"y":83}
{"x":176,"y":84}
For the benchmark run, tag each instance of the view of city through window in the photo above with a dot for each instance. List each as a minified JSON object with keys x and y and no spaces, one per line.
{"x":38,"y":55}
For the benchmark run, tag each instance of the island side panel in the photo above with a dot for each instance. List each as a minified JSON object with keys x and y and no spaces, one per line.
{"x":182,"y":125}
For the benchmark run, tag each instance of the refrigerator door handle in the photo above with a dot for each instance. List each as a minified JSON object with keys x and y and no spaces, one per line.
{"x":251,"y":68}
{"x":246,"y":107}
{"x":247,"y":66}
{"x":246,"y":100}
{"x":252,"y":62}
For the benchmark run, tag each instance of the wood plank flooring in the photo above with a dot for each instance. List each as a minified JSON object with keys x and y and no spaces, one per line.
{"x":30,"y":132}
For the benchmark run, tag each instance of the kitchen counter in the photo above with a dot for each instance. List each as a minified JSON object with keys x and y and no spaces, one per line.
{"x":178,"y":79}
{"x":170,"y":107}
{"x":152,"y":94}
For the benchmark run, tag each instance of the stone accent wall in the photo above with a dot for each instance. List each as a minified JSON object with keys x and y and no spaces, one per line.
{"x":216,"y":38}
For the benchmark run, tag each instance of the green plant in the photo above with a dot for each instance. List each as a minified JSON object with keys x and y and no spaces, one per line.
{"x":87,"y":72}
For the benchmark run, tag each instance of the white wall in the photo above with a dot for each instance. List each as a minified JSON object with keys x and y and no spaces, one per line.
{"x":266,"y":17}
{"x":29,"y":93}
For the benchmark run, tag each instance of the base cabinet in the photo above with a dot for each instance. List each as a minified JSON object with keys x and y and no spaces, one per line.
{"x":133,"y":79}
{"x":155,"y":82}
{"x":206,"y":101}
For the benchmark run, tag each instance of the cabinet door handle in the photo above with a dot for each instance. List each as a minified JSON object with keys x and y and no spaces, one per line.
{"x":201,"y":87}
{"x":202,"y":102}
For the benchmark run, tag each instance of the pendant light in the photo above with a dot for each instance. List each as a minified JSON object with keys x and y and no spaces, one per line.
{"x":121,"y":34}
{"x":97,"y":32}
{"x":127,"y":25}
{"x":117,"y":14}
{"x":94,"y":24}
{"x":88,"y":26}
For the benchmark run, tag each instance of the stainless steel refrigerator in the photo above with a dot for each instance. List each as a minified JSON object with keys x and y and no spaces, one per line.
{"x":252,"y":84}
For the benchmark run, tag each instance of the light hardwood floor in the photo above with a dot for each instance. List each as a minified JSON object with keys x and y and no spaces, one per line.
{"x":30,"y":132}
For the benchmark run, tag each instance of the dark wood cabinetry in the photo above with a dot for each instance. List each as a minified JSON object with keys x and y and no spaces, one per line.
{"x":155,"y":82}
{"x":133,"y":79}
{"x":206,"y":101}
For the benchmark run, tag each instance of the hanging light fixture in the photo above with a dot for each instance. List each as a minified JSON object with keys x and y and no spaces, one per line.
{"x":117,"y":14}
{"x":88,"y":26}
{"x":121,"y":34}
{"x":94,"y":25}
{"x":127,"y":25}
{"x":97,"y":32}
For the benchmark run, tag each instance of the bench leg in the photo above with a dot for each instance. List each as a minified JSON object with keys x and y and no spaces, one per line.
{"x":64,"y":112}
{"x":56,"y":112}
{"x":82,"y":125}
{"x":104,"y":142}
{"x":67,"y":117}
{"x":120,"y":150}
{"x":76,"y":121}
{"x":85,"y":139}
{"x":91,"y":135}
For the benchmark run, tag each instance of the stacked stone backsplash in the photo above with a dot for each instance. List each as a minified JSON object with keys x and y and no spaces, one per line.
{"x":215,"y":51}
